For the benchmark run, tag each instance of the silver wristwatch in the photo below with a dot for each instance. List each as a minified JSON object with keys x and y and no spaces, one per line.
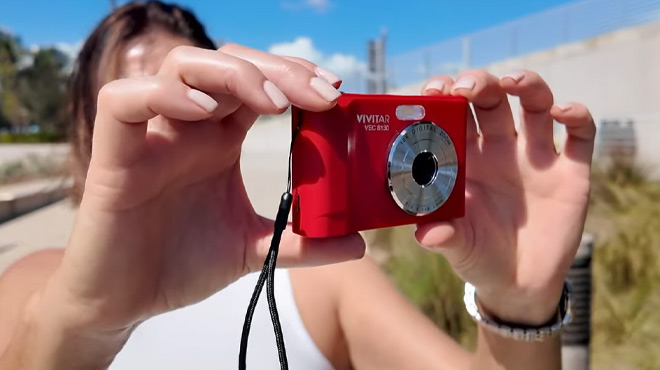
{"x":521,"y":332}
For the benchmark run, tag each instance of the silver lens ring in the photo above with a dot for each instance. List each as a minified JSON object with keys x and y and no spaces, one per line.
{"x":422,"y":168}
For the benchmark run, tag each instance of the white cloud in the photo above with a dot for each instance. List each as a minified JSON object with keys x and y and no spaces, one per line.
{"x":348,"y":67}
{"x":319,"y":6}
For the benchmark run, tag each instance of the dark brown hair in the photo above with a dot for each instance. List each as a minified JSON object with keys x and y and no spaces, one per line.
{"x":98,"y":63}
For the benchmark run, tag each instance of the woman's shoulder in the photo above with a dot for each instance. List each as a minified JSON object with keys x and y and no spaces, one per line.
{"x":37,"y":261}
{"x":19,"y":282}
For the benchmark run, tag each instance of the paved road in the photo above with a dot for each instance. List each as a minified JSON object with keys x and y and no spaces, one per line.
{"x":264,"y":165}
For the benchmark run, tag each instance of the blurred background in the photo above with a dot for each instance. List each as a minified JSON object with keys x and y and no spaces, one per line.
{"x":604,"y":53}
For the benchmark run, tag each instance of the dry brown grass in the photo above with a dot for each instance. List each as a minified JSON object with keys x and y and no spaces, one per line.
{"x":624,"y":216}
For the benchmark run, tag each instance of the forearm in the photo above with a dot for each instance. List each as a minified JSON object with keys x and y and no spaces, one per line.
{"x":44,"y":339}
{"x":496,"y":352}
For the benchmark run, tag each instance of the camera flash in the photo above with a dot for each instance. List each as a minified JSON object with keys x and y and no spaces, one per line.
{"x":410,"y":112}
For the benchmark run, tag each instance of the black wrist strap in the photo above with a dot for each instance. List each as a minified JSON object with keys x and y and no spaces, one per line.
{"x":267,"y":276}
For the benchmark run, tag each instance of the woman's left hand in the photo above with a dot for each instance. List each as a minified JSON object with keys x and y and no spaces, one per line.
{"x":525,"y":202}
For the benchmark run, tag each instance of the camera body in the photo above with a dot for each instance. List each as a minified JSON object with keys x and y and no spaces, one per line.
{"x":376,"y":161}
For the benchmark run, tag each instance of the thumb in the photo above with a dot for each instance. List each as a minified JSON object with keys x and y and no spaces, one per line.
{"x":448,"y":238}
{"x":300,"y":251}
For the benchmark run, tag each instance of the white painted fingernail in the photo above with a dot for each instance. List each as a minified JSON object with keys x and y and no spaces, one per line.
{"x":276,"y":95}
{"x":517,"y":76}
{"x":564,"y":106}
{"x":466,"y":82}
{"x":327,"y":75}
{"x":203,"y":100}
{"x":324,"y":89}
{"x":435,"y":85}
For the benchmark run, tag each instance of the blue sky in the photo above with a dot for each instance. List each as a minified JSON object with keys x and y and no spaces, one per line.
{"x":334,"y":26}
{"x":331,"y":33}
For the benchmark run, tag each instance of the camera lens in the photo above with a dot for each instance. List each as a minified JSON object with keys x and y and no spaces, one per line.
{"x":424,"y":168}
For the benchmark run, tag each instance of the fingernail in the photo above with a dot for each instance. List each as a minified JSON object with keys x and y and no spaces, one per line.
{"x":467,"y":82}
{"x":203,"y":100}
{"x":276,"y":95}
{"x":324,"y":89}
{"x":327,"y":75}
{"x":435,"y":85}
{"x":564,"y":106}
{"x":517,"y":76}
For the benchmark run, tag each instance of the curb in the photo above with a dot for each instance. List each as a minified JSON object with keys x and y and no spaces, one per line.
{"x":13,"y":205}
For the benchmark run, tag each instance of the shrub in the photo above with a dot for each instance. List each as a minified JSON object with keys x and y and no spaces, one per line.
{"x":37,"y":137}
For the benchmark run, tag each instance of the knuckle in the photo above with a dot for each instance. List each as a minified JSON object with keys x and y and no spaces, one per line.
{"x":290,"y":69}
{"x":535,"y":80}
{"x":108,"y":92}
{"x":445,"y":79}
{"x":286,"y":69}
{"x":300,"y":60}
{"x":485,"y":76}
{"x":588,"y":117}
{"x":229,"y":47}
{"x":179,"y":53}
{"x":478,"y":74}
{"x":240,"y":71}
{"x":530,"y":73}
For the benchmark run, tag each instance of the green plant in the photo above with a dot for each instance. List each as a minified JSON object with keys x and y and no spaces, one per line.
{"x":37,"y":137}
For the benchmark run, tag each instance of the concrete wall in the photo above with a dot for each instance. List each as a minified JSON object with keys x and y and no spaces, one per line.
{"x":616,"y":75}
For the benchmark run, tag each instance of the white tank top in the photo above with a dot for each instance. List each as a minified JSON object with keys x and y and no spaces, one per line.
{"x":207,"y":335}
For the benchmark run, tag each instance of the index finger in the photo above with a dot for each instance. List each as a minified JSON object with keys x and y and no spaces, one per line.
{"x":303,"y":87}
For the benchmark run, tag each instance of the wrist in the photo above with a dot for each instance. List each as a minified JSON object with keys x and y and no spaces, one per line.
{"x":521,"y":308}
{"x":49,"y":337}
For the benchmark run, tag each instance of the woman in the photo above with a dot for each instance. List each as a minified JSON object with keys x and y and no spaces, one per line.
{"x":164,"y":221}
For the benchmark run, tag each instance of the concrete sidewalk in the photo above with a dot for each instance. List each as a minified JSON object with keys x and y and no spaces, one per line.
{"x":48,"y":227}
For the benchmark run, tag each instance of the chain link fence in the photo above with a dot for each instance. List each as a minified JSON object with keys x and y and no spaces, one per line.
{"x":570,"y":23}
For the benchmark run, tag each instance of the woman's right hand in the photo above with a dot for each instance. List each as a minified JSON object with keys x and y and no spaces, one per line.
{"x":165,"y":220}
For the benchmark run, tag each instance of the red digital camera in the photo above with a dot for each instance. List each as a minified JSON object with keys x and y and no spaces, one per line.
{"x":376,"y":161}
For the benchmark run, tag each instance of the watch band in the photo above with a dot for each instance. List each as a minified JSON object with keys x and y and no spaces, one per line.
{"x":521,"y":332}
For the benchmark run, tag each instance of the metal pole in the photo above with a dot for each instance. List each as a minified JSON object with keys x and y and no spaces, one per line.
{"x":382,"y":61}
{"x":377,"y":78}
{"x":577,"y":335}
{"x":467,"y":52}
{"x":371,"y":67}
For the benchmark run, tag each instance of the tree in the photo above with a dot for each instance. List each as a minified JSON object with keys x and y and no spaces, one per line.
{"x":10,"y":54}
{"x":41,"y":90}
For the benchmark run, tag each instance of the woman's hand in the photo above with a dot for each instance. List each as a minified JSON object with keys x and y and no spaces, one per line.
{"x":165,"y":220}
{"x":525,"y":203}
